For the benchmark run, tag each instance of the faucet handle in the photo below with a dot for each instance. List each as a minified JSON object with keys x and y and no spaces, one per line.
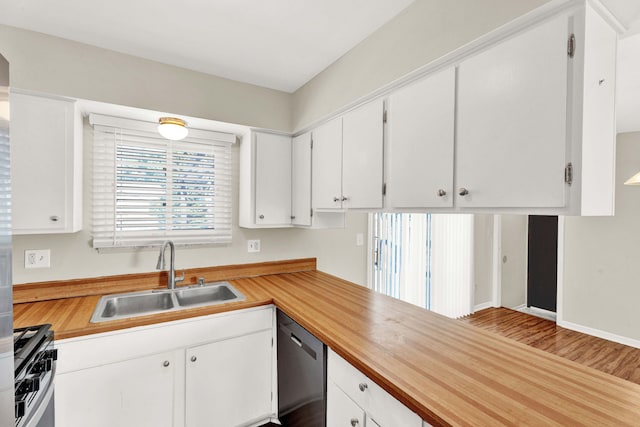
{"x":179,"y":278}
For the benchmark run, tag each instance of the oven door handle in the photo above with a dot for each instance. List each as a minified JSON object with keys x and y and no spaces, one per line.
{"x":47,"y":396}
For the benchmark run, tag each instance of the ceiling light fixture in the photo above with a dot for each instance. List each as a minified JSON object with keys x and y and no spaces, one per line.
{"x":634,"y":180}
{"x":172,"y":128}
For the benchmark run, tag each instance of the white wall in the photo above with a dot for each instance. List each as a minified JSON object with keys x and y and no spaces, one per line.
{"x":514,"y":260}
{"x":73,"y":257}
{"x":423,"y":32}
{"x":602,"y":272}
{"x":54,"y":65}
{"x":483,"y":258}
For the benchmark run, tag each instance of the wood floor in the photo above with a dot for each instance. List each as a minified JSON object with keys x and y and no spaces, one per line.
{"x":616,"y":359}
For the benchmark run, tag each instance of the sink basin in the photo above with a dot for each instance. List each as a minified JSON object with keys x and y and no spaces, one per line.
{"x":136,"y":304}
{"x":119,"y":306}
{"x":207,"y":295}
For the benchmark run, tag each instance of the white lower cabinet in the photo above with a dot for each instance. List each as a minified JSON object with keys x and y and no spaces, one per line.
{"x":212,"y":371}
{"x":137,"y":392}
{"x":228,"y":383}
{"x":350,"y":393}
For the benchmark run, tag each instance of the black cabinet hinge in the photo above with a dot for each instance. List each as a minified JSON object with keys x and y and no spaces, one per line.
{"x":571,"y":46}
{"x":568,"y":173}
{"x":384,"y":116}
{"x":384,"y":189}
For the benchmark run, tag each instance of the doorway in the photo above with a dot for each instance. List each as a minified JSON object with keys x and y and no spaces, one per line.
{"x":542,"y":262}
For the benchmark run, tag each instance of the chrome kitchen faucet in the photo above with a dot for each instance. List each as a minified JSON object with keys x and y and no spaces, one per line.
{"x":172,"y":279}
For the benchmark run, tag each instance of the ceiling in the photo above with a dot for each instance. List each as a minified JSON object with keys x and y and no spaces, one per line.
{"x":279,"y":44}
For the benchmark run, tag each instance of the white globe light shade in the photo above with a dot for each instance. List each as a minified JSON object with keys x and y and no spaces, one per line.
{"x":173,"y":128}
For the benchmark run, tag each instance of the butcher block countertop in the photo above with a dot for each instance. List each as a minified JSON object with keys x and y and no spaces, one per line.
{"x":448,"y":372}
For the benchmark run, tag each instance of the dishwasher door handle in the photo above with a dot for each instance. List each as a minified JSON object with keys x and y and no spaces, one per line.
{"x":298,"y":341}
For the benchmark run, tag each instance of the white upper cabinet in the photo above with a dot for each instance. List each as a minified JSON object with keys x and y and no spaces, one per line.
{"x":362,"y":148}
{"x":419,"y":155}
{"x":273,"y":179}
{"x":301,"y":180}
{"x":46,"y":164}
{"x":326,"y":170}
{"x":347,"y":160}
{"x":594,"y":121}
{"x":511,"y":123}
{"x":521,"y":120}
{"x":265,"y":180}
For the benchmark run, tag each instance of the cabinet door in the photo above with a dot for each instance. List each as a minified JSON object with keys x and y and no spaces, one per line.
{"x":512,"y":115}
{"x":273,"y":179}
{"x":326,"y":181}
{"x":133,"y":393}
{"x":599,"y":119}
{"x":420,"y":152}
{"x":228,"y":383}
{"x":362,"y":148}
{"x":42,"y":164}
{"x":341,"y":410}
{"x":301,"y":180}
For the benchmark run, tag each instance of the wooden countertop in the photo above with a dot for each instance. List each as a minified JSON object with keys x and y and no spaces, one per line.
{"x":448,"y":372}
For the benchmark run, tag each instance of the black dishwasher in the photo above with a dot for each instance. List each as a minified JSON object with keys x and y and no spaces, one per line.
{"x":302,"y":375}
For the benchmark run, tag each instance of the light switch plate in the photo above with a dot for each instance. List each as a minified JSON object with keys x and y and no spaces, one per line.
{"x":359,"y":239}
{"x":37,"y":258}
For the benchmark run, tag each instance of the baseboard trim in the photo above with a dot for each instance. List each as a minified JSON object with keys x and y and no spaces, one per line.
{"x":482,"y":306}
{"x":600,"y":334}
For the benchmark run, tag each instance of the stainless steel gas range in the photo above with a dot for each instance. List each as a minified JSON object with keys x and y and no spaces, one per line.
{"x":35,"y":367}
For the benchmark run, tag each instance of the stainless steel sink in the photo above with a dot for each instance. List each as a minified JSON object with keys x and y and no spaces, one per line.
{"x":207,"y":295}
{"x":119,"y":306}
{"x":138,"y":304}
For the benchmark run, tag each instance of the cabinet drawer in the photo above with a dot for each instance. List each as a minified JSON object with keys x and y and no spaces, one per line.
{"x":380,"y":405}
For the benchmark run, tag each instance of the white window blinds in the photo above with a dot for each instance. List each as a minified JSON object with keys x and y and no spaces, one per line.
{"x":147,"y":189}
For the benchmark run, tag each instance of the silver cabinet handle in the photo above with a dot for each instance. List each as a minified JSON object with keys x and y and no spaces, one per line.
{"x":166,"y":363}
{"x":363,"y":386}
{"x":354,"y":422}
{"x":463,"y":191}
{"x":441,"y":193}
{"x":336,"y":199}
{"x":261,"y":217}
{"x":54,"y":218}
{"x":193,"y":358}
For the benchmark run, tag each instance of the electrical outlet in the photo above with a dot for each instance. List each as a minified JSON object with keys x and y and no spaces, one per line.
{"x":253,"y":245}
{"x":40,"y":258}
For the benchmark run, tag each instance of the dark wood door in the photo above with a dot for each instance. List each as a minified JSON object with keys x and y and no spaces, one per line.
{"x":542,"y":262}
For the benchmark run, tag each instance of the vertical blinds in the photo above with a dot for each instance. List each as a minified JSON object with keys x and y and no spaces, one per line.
{"x":147,"y":189}
{"x":425,"y":259}
{"x":452,"y":264}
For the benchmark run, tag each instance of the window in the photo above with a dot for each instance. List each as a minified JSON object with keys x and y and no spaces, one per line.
{"x":147,"y":189}
{"x":425,"y":259}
